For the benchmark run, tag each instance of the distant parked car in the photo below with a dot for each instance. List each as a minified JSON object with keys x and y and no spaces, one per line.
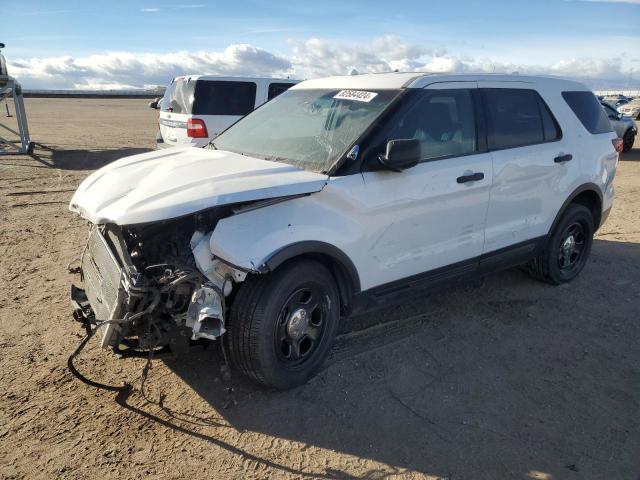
{"x":615,"y":98}
{"x":625,"y":127}
{"x":631,"y":109}
{"x":195,"y":109}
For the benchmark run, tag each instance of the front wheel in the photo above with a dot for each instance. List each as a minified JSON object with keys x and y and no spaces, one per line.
{"x":282,"y":325}
{"x":567,"y":249}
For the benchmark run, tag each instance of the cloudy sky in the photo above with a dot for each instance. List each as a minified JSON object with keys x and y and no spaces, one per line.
{"x":128,"y":44}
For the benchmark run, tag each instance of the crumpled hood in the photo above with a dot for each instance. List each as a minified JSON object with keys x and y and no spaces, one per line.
{"x":170,"y":183}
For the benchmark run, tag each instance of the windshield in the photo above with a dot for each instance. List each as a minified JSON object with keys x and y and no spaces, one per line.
{"x":307,"y":128}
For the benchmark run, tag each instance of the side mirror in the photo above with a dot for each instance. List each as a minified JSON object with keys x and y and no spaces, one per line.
{"x":401,"y":154}
{"x":155,"y":104}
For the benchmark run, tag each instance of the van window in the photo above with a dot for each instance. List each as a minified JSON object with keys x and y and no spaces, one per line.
{"x":276,"y":89}
{"x":214,"y":97}
{"x":177,"y":97}
{"x":442,"y":120}
{"x":515,"y":119}
{"x":587,"y":108}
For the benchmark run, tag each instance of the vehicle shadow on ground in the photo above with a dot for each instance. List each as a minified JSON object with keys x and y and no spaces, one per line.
{"x":632,"y":155}
{"x":81,"y":159}
{"x":497,"y":380}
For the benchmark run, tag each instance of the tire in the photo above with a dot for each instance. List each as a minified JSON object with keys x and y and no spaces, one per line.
{"x":270,"y":339}
{"x":627,"y":141}
{"x":558,"y":264}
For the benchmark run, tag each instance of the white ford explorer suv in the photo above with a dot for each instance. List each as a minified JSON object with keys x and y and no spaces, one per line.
{"x":340,"y":194}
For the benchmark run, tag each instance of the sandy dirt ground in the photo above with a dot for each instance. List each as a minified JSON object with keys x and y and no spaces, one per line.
{"x":508,"y":378}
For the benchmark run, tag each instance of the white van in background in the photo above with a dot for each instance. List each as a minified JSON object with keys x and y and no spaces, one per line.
{"x":195,"y":109}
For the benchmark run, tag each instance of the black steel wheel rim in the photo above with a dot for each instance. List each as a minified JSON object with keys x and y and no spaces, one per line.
{"x":572,"y":246}
{"x":301,"y":325}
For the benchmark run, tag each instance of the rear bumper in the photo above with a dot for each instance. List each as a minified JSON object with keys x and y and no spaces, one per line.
{"x":160,"y":143}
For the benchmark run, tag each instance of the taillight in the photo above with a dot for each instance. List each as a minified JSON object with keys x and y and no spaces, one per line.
{"x":618,"y":144}
{"x":196,"y":128}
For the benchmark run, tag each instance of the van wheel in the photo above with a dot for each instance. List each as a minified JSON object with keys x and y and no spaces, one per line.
{"x":627,"y":141}
{"x":282,"y":325}
{"x":567,"y":249}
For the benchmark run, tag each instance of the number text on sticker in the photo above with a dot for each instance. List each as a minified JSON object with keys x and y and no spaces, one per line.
{"x":357,"y":95}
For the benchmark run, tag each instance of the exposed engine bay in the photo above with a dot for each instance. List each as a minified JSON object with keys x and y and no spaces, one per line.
{"x":157,"y":283}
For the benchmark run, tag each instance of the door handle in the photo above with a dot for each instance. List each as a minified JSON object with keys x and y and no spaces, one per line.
{"x":474,"y":177}
{"x":563,"y":158}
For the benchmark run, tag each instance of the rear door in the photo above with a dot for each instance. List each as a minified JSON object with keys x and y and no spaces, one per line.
{"x":221,"y":103}
{"x":532,"y":165}
{"x":431,"y":215}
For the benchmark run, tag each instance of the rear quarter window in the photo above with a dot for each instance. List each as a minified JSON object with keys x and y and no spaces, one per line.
{"x":212,"y":97}
{"x":586,"y":107}
{"x":276,"y":89}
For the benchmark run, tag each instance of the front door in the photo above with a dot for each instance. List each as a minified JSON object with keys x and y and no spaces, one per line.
{"x":431,"y":215}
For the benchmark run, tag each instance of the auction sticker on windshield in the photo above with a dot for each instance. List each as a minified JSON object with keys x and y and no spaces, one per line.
{"x":357,"y":95}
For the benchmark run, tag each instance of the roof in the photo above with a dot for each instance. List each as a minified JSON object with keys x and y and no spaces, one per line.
{"x":237,"y":79}
{"x":371,"y":81}
{"x":397,"y":80}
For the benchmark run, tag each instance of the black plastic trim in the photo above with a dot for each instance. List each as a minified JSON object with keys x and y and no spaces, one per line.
{"x":581,"y":189}
{"x":449,"y":275}
{"x":511,"y":255}
{"x":313,"y":247}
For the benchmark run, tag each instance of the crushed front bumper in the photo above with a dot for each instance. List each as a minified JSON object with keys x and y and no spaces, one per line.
{"x":113,"y":289}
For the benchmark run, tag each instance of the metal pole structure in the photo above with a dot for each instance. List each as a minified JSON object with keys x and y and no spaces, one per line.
{"x":9,"y":86}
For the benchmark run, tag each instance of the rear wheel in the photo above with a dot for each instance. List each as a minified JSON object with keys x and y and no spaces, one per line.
{"x":567,"y":249}
{"x":282,"y":325}
{"x":627,"y":141}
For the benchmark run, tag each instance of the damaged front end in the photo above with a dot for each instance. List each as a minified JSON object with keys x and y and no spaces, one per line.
{"x":154,"y":285}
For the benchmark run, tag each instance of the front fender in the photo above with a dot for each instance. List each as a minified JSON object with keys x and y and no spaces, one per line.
{"x":259,"y":240}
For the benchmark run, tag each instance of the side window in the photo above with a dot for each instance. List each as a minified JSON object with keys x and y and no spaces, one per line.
{"x":515,"y":119}
{"x":588,"y":110}
{"x":443,"y":121}
{"x":224,"y":98}
{"x":276,"y":89}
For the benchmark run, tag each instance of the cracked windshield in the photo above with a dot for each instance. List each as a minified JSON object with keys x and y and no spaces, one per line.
{"x":310,"y":129}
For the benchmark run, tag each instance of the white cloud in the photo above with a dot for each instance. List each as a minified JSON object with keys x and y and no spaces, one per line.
{"x":308,"y":58}
{"x":135,"y":71}
{"x":149,"y":9}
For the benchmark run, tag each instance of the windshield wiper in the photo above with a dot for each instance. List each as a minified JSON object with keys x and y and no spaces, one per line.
{"x":274,"y":158}
{"x":212,"y":145}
